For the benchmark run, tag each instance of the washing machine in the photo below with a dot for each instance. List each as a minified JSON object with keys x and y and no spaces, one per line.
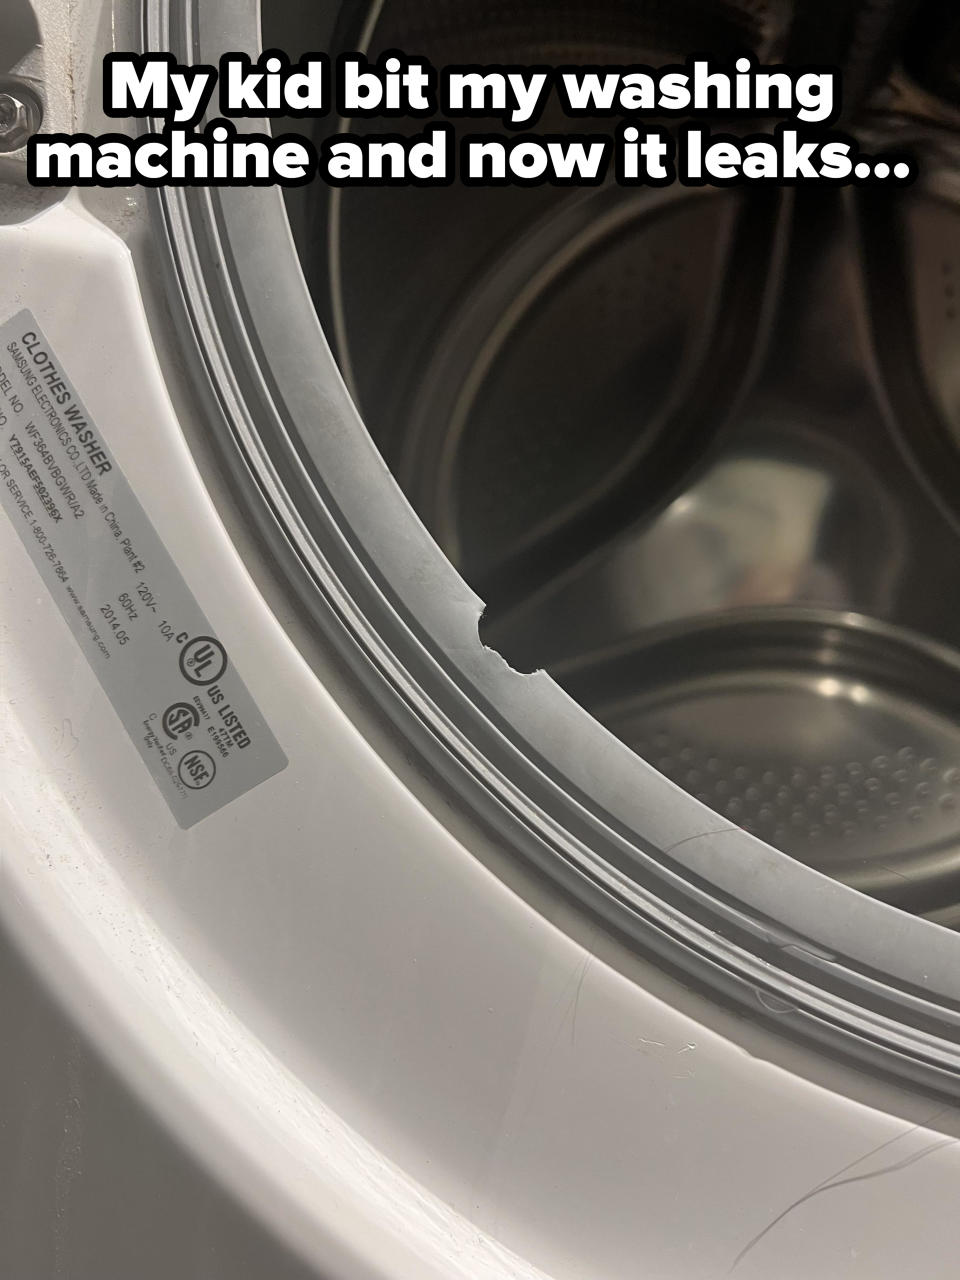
{"x":481,"y":685}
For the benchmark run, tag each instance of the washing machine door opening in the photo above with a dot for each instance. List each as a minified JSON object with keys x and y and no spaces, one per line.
{"x":652,"y":429}
{"x":681,"y":444}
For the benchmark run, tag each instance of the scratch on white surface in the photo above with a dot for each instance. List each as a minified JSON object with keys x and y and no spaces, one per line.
{"x":835,"y":1180}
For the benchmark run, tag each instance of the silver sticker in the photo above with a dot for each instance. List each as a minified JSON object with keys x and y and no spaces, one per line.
{"x":168,"y":675}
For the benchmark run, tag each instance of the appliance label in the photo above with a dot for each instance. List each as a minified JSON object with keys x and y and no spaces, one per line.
{"x":168,"y":675}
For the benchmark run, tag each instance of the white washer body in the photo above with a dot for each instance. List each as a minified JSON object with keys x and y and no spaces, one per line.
{"x":402,"y":1056}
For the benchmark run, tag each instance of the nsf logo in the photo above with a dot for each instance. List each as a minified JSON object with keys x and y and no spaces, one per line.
{"x":196,"y":770}
{"x":203,"y":660}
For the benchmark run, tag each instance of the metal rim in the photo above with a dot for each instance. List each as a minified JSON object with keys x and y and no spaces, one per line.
{"x":657,"y":866}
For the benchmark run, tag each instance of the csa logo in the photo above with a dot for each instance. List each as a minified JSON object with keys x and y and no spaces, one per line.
{"x":179,"y":719}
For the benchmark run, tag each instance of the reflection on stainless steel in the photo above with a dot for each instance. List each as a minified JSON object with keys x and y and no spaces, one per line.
{"x":748,"y":533}
{"x":830,"y":736}
{"x":754,"y":530}
{"x":700,"y":451}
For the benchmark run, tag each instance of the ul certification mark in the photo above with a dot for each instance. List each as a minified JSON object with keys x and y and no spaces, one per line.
{"x":196,"y":770}
{"x":203,"y":660}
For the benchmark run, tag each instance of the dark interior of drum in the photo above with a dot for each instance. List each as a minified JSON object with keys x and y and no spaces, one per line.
{"x":696,"y":449}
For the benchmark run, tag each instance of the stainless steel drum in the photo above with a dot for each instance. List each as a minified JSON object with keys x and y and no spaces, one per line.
{"x":696,"y":449}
